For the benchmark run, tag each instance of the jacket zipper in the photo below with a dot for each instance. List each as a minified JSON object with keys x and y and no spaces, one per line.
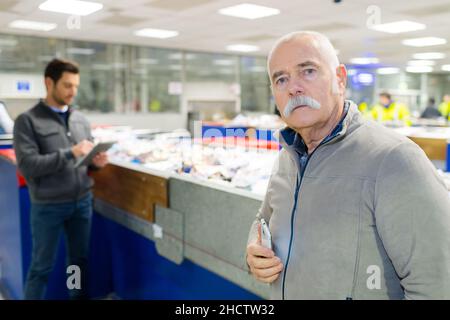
{"x":77,"y":178}
{"x":358,"y":248}
{"x":294,"y":209}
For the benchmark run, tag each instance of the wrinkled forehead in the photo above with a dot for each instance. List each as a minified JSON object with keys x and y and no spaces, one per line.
{"x":294,"y":52}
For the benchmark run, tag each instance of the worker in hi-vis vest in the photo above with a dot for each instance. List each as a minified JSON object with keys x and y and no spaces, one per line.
{"x":388,"y":110}
{"x":444,"y":107}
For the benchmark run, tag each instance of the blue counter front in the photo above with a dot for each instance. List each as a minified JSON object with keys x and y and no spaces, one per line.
{"x":121,"y":262}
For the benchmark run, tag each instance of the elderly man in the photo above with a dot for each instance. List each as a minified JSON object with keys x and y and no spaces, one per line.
{"x":355,"y":210}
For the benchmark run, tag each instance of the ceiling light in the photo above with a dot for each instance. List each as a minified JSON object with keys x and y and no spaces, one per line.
{"x":249,"y":11}
{"x":81,"y":51}
{"x":429,"y":55}
{"x":419,"y":69}
{"x":421,"y":63}
{"x":364,"y":60}
{"x":446,"y":67}
{"x":399,"y":26}
{"x":242,"y":48}
{"x":32,"y":25}
{"x":156,"y":33}
{"x":72,"y":7}
{"x":365,"y":78}
{"x":388,"y":70}
{"x":424,"y":42}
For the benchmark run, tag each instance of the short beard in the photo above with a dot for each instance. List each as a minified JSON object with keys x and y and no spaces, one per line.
{"x":58,"y":100}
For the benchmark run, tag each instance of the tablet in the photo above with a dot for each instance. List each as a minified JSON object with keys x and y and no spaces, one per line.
{"x":99,"y":147}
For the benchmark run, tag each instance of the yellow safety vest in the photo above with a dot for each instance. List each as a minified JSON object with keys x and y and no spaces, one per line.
{"x":444,"y":109}
{"x":395,"y":112}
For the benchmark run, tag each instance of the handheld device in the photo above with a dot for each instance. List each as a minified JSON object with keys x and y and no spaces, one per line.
{"x":100,"y":147}
{"x":266,"y":238}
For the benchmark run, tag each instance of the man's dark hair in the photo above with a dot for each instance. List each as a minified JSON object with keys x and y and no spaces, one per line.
{"x":431,"y":100}
{"x":57,"y":67}
{"x":385,"y":94}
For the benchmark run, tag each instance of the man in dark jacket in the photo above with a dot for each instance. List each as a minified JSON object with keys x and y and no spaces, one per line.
{"x":47,"y":140}
{"x":431,"y":112}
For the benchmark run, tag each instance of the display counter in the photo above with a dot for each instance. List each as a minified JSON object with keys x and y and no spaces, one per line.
{"x":171,"y":220}
{"x":434,"y":141}
{"x":155,"y":235}
{"x":6,"y":141}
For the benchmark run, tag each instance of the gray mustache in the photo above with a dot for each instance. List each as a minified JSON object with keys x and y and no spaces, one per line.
{"x":299,"y":101}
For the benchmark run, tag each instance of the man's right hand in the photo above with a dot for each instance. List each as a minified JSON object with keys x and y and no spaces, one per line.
{"x":82,"y":148}
{"x":263,"y":263}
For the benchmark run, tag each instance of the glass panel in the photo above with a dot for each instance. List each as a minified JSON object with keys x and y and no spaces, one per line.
{"x":156,"y":79}
{"x":255,"y":85}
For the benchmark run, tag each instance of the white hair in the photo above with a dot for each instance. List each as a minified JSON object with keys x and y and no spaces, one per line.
{"x":323,"y":44}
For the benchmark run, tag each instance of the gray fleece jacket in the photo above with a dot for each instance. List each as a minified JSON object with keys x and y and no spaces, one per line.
{"x":369,"y":218}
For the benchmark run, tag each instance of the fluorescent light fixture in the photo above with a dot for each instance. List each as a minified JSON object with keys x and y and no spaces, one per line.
{"x":388,"y":70}
{"x":446,"y":67}
{"x":8,"y":42}
{"x":364,"y":60}
{"x":365,"y":78}
{"x":72,"y":7}
{"x":419,"y":69}
{"x":428,"y":55}
{"x":81,"y":51}
{"x":242,"y":48}
{"x":249,"y":11}
{"x":420,"y":63}
{"x":424,"y":42}
{"x":399,"y":26}
{"x":32,"y":25}
{"x":156,"y":33}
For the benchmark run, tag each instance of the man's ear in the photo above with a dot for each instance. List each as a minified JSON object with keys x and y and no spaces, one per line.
{"x":49,"y":83}
{"x":341,"y":73}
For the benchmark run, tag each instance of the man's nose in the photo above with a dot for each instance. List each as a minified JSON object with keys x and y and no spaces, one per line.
{"x":296,"y":87}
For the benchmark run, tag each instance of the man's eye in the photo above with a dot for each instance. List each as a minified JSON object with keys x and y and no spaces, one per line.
{"x":281,"y":80}
{"x":309,"y":71}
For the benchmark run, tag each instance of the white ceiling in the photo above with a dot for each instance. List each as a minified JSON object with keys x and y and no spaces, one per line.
{"x":203,"y":29}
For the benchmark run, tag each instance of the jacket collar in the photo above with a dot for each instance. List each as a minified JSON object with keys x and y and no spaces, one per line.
{"x":289,"y":139}
{"x":46,"y":109}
